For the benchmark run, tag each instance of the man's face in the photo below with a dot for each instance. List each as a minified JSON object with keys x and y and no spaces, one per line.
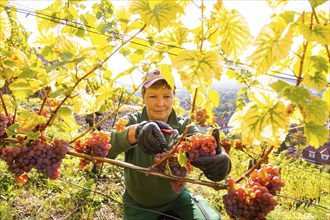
{"x":158,"y":103}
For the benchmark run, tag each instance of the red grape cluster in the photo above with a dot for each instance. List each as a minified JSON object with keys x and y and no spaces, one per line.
{"x":4,"y":121}
{"x":96,"y":145}
{"x":200,"y":117}
{"x":172,"y":167}
{"x":268,"y":175}
{"x":255,"y":199}
{"x":38,"y":154}
{"x":199,"y":145}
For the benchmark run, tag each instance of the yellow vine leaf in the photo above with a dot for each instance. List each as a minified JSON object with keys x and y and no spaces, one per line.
{"x":316,"y":134}
{"x":319,"y":33}
{"x":326,"y":98}
{"x":54,"y":12}
{"x":276,"y":4}
{"x":5,"y":28}
{"x":315,"y":69}
{"x":213,"y":96}
{"x":233,"y":33}
{"x":3,"y":2}
{"x":156,"y":13}
{"x":263,"y":119}
{"x":166,"y":72}
{"x":273,"y":44}
{"x":198,"y":69}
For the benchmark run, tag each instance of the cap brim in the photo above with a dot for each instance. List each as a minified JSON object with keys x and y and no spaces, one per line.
{"x":152,"y":81}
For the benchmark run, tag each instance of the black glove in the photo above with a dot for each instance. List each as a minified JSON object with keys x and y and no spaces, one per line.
{"x":150,"y":138}
{"x":215,"y":168}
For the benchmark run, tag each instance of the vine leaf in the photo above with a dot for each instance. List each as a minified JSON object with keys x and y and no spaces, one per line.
{"x":263,"y":119}
{"x":30,"y":121}
{"x":5,"y":27}
{"x":273,"y":44}
{"x":166,"y":72}
{"x":198,"y":69}
{"x":316,"y":3}
{"x":326,"y":97}
{"x":156,"y":13}
{"x":233,"y":34}
{"x":316,"y":134}
{"x":315,"y":69}
{"x":317,"y":111}
{"x":69,"y":124}
{"x":182,"y":159}
{"x":319,"y":33}
{"x":53,"y":11}
{"x":295,"y":94}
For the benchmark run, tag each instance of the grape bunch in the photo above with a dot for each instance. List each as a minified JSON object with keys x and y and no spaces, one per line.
{"x":268,"y":176}
{"x":96,"y":145}
{"x":4,"y":121}
{"x":199,"y":145}
{"x":200,"y":117}
{"x":38,"y":154}
{"x":254,"y":199}
{"x":120,"y":124}
{"x":172,"y":167}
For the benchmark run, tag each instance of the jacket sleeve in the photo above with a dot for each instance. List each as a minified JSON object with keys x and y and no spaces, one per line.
{"x":193,"y":129}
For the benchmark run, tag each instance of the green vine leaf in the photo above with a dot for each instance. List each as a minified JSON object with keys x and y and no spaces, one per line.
{"x":295,"y":94}
{"x":319,"y":33}
{"x":182,"y":159}
{"x":198,"y":69}
{"x":316,"y":134}
{"x":316,"y":111}
{"x":156,"y":13}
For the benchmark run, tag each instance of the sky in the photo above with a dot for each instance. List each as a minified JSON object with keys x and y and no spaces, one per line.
{"x":256,"y":12}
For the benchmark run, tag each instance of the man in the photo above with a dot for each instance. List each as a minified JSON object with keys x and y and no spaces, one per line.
{"x":147,"y":196}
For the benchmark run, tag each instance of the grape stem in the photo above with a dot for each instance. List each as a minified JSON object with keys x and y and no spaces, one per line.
{"x":263,"y":158}
{"x":147,"y":171}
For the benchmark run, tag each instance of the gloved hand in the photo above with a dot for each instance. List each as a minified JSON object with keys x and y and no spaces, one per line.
{"x":215,"y":168}
{"x":150,"y":138}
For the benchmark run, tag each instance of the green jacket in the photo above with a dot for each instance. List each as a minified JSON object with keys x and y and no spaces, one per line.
{"x":147,"y":190}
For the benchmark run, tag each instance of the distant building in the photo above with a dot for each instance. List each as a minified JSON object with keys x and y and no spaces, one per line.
{"x":223,"y":124}
{"x":318,"y":156}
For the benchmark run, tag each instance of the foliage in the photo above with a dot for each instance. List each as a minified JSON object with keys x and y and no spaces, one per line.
{"x":65,"y":66}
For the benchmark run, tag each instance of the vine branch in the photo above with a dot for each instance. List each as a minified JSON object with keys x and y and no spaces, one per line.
{"x":263,"y":158}
{"x":147,"y":171}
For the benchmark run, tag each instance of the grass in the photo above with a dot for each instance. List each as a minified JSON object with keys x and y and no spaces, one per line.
{"x":80,"y":194}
